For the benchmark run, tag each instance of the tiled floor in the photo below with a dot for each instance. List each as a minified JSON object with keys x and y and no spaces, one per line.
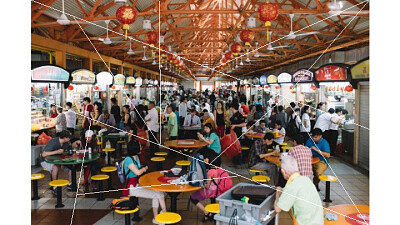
{"x":90,"y":211}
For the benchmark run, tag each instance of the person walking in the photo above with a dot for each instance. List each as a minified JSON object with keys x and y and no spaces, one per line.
{"x":152,"y":124}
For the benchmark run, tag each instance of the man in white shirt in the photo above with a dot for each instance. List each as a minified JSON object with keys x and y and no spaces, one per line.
{"x":182,"y":110}
{"x":153,"y":127}
{"x":71,"y":117}
{"x":192,"y":119}
{"x":324,"y":121}
{"x":333,"y":131}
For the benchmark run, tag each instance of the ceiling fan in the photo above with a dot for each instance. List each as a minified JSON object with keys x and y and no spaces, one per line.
{"x":63,"y":19}
{"x":271,"y":48}
{"x":106,"y":40}
{"x":292,"y":35}
{"x":335,"y":8}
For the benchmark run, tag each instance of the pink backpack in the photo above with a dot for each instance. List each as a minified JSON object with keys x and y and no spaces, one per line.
{"x":222,"y":183}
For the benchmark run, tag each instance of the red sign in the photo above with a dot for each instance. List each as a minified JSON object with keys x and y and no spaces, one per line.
{"x":331,"y":73}
{"x":357,"y":219}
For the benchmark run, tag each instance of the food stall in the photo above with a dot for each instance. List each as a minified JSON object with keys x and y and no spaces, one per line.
{"x":100,"y":91}
{"x":274,"y":89}
{"x":306,"y":88}
{"x":48,"y":84}
{"x":288,"y":90}
{"x":360,"y":82}
{"x":81,"y":86}
{"x":117,"y":89}
{"x":137,"y":88}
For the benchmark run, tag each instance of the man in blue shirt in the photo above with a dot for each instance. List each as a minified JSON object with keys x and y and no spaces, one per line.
{"x":319,"y":147}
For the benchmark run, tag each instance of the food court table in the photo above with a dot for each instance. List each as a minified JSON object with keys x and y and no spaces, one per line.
{"x":71,"y":163}
{"x":277,"y":159}
{"x":151,"y":181}
{"x":255,"y":135}
{"x":348,"y":214}
{"x":185,"y":144}
{"x":114,"y":135}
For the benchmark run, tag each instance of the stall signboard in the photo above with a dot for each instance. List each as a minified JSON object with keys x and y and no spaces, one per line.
{"x":119,"y":79}
{"x":303,"y":75}
{"x":130,"y":80}
{"x":83,"y":76}
{"x":139,"y":81}
{"x":331,"y":73}
{"x":284,"y":78}
{"x":272,"y":79}
{"x":263,"y":80}
{"x":104,"y":78}
{"x":360,"y":70}
{"x":49,"y":74}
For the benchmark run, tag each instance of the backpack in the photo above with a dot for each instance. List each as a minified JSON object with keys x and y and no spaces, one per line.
{"x":124,"y":203}
{"x":292,"y":129}
{"x":197,"y":171}
{"x":141,"y":133}
{"x":223,"y":182}
{"x":122,"y":174}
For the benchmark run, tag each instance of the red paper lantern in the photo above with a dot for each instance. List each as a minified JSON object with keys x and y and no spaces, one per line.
{"x":31,"y":89}
{"x":96,"y":88}
{"x":163,"y":49}
{"x":291,"y":87}
{"x":236,"y":48}
{"x":228,"y":55}
{"x":267,"y":12}
{"x":224,"y":60}
{"x":70,"y":87}
{"x":126,"y":14}
{"x":176,"y":61}
{"x":126,"y":87}
{"x":277,"y":87}
{"x":246,"y":36}
{"x":349,"y":88}
{"x":151,"y":38}
{"x":313,"y":87}
{"x":113,"y":87}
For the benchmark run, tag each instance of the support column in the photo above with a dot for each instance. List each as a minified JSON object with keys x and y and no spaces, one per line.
{"x":61,"y":59}
{"x":88,"y":64}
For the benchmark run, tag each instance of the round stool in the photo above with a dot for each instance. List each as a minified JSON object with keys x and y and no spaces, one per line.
{"x":328,"y":179}
{"x":183,"y":163}
{"x":109,"y":169}
{"x":261,"y":178}
{"x":58,"y":184}
{"x":212,"y":208}
{"x":34,"y":178}
{"x":245,"y":148}
{"x":99,"y":143}
{"x":286,"y":147}
{"x":168,"y":218}
{"x":161,"y":153}
{"x":127,"y":214}
{"x":158,"y":160}
{"x":284,"y":143}
{"x":108,"y":150}
{"x":119,"y":146}
{"x":100,"y":179}
{"x":257,"y":172}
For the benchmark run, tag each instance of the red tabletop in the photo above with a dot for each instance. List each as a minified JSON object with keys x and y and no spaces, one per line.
{"x":185,"y":144}
{"x":348,"y":214}
{"x":151,"y":181}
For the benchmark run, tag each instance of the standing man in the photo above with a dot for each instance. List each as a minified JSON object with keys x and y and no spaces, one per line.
{"x":61,"y":122}
{"x":237,"y":123}
{"x":182,"y":110}
{"x":320,"y":149}
{"x":333,"y":131}
{"x":87,"y":110}
{"x":152,"y":125}
{"x":70,"y":117}
{"x":324,"y":121}
{"x":115,"y":110}
{"x":172,"y":127}
{"x":281,"y":115}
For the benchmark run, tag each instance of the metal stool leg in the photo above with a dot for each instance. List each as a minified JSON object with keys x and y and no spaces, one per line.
{"x":136,"y":216}
{"x":101,"y":195}
{"x":108,"y":159}
{"x":35,"y":190}
{"x":159,"y":165}
{"x":59,"y":199}
{"x":110,"y":182}
{"x":328,"y":192}
{"x":127,"y":219}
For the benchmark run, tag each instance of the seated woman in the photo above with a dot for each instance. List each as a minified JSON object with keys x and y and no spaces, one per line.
{"x":133,"y":170}
{"x":218,"y":182}
{"x":212,"y":139}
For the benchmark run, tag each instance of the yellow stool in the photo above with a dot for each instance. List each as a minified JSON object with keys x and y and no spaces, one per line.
{"x":257,"y":171}
{"x":99,"y":143}
{"x":284,"y":143}
{"x":245,"y":148}
{"x":168,"y":218}
{"x":109,"y":169}
{"x":99,"y":178}
{"x":121,"y":142}
{"x":58,"y":184}
{"x":286,"y":147}
{"x":261,"y":178}
{"x":127,"y":214}
{"x":108,"y":150}
{"x":159,"y":161}
{"x":328,"y":179}
{"x":212,"y":208}
{"x":34,"y":178}
{"x":183,"y":163}
{"x":161,"y":153}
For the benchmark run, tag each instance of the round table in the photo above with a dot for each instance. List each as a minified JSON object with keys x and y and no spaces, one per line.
{"x":347,"y":211}
{"x":185,"y":144}
{"x":150,"y":181}
{"x":255,"y":135}
{"x":71,"y":164}
{"x":277,"y":159}
{"x":190,"y":131}
{"x":314,"y":160}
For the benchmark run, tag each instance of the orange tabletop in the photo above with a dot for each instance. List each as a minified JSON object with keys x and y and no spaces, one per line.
{"x":315,"y":159}
{"x":274,"y":159}
{"x":150,"y":181}
{"x":255,"y":135}
{"x":184,"y":144}
{"x":348,"y":214}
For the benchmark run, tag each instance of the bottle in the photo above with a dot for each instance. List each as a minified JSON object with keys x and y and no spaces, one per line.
{"x":90,"y":152}
{"x":70,"y":151}
{"x":120,"y":173}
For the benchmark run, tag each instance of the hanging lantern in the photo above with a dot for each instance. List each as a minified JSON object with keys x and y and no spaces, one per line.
{"x":236,"y":48}
{"x":267,"y":12}
{"x":126,"y":87}
{"x":224,"y":60}
{"x":113,"y":87}
{"x":277,"y":87}
{"x":291,"y":87}
{"x":349,"y":88}
{"x":164,"y":49}
{"x":96,"y":88}
{"x":313,"y":87}
{"x":246,"y":36}
{"x":228,"y":55}
{"x":70,"y":87}
{"x":152,"y":39}
{"x":31,"y":89}
{"x":126,"y":14}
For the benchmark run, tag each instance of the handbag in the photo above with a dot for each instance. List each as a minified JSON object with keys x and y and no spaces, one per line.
{"x":230,"y":145}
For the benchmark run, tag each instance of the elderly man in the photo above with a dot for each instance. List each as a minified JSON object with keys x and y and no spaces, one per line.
{"x":207,"y":119}
{"x":299,"y":194}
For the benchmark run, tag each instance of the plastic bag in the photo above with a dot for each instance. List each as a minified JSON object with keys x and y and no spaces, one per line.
{"x":248,"y":218}
{"x":43,"y":139}
{"x":226,"y":141}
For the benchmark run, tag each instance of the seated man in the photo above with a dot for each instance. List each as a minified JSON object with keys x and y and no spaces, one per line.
{"x":257,"y":155}
{"x":56,"y":146}
{"x":107,"y":121}
{"x":208,"y":119}
{"x":320,"y":148}
{"x":261,"y":128}
{"x":299,"y":195}
{"x":192,"y":119}
{"x":303,"y":156}
{"x":279,"y":132}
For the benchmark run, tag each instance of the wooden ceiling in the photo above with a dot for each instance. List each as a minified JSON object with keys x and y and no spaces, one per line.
{"x":200,"y":31}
